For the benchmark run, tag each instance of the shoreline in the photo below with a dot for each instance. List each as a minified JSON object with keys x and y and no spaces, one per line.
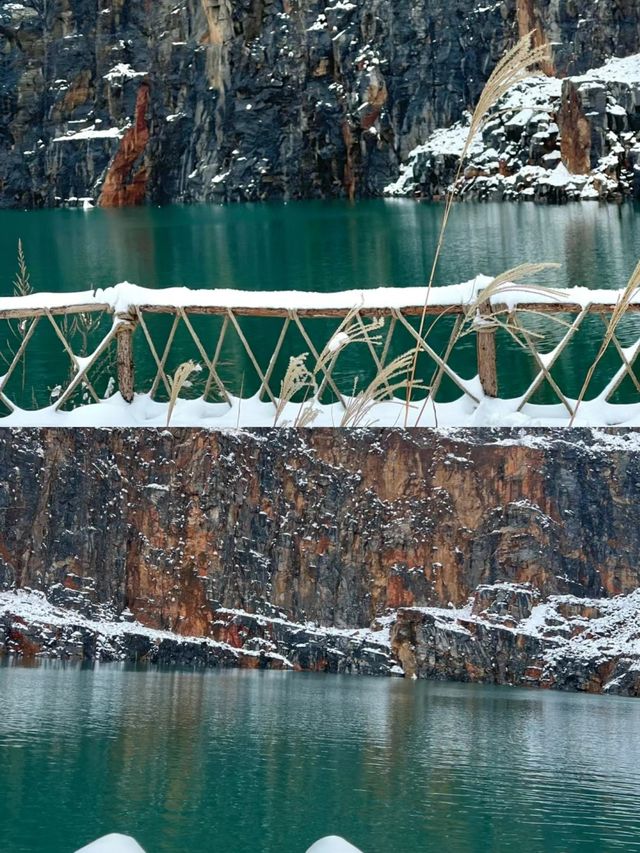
{"x":503,"y":636}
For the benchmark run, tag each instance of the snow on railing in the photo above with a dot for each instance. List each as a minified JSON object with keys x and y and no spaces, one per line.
{"x":128,"y":339}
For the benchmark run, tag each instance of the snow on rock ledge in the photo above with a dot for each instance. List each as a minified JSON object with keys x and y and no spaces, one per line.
{"x":551,"y":140}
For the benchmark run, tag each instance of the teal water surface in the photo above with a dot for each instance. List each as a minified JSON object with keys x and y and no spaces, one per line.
{"x":316,"y":246}
{"x":322,"y":246}
{"x":258,"y":762}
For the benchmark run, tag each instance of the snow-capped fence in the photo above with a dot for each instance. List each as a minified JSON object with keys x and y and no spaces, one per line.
{"x":129,"y":339}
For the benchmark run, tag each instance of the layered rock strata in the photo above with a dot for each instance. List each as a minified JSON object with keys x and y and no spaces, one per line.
{"x":319,"y":549}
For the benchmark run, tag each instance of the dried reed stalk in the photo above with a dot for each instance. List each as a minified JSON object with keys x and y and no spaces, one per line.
{"x":297,"y":378}
{"x":350,"y":331}
{"x":389,"y":379}
{"x":515,"y":66}
{"x":505,"y":282}
{"x":21,"y":283}
{"x":179,"y":381}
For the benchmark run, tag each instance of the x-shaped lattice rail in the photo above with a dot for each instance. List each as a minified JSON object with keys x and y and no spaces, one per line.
{"x":378,"y":353}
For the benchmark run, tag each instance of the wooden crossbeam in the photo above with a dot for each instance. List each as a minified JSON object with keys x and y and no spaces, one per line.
{"x":329,"y":369}
{"x":216,"y":357}
{"x":407,"y":310}
{"x":252,"y":358}
{"x":274,"y":357}
{"x":204,"y":356}
{"x":435,"y":385}
{"x":15,"y":361}
{"x":160,"y":363}
{"x":422,"y":344}
{"x":627,"y":366}
{"x":81,"y":373}
{"x":372,"y":350}
{"x":545,"y":368}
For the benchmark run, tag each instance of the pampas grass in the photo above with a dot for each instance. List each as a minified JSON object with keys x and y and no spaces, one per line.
{"x":389,"y":379}
{"x":297,"y":378}
{"x":505,"y":283}
{"x":178,"y":381}
{"x":21,"y":283}
{"x":516,"y":65}
{"x":352,"y":330}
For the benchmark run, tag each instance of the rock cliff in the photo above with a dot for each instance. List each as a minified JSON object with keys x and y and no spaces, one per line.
{"x":124,"y":101}
{"x":308,"y":545}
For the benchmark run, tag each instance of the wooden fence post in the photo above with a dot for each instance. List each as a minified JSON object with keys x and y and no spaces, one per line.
{"x":126,"y":369}
{"x":486,"y":351}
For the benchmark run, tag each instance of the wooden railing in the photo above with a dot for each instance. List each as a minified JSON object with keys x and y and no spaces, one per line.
{"x":117,"y":325}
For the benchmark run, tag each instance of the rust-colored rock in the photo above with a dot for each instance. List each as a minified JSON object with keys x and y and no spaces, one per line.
{"x":333,"y":526}
{"x":575,"y":130}
{"x":530,"y":21}
{"x":126,"y":181}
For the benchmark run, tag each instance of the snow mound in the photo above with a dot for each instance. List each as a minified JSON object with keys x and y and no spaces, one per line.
{"x":114,"y":843}
{"x":333,"y":844}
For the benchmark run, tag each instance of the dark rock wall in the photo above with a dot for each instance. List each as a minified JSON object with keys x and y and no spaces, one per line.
{"x":255,"y":98}
{"x":331,"y":526}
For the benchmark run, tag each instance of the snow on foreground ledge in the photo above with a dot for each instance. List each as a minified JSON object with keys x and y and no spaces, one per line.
{"x":471,"y":409}
{"x":116,"y":843}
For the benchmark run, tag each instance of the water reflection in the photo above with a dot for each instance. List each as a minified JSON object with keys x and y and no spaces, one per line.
{"x":323,"y":246}
{"x":269,"y":761}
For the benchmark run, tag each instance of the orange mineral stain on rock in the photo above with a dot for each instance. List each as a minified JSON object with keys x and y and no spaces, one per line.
{"x":575,"y":130}
{"x":529,"y":21}
{"x":126,"y":181}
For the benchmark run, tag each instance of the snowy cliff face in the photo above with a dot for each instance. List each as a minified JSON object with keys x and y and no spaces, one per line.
{"x":480,"y":555}
{"x":123,"y":101}
{"x":547,"y":139}
{"x":329,"y":526}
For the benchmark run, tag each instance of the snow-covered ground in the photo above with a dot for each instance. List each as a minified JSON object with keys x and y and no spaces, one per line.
{"x":59,"y":631}
{"x":576,"y":634}
{"x":253,"y":413}
{"x":60,"y":625}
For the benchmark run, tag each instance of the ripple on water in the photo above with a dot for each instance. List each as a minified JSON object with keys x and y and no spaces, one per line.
{"x":272,"y":761}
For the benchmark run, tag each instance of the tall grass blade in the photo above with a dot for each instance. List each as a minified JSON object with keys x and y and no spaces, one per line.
{"x":515,"y":66}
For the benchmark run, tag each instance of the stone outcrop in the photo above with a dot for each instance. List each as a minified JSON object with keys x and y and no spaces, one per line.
{"x":331,"y":526}
{"x":126,"y":181}
{"x":292,"y":545}
{"x":566,"y":643}
{"x":252,"y":100}
{"x":546,"y":140}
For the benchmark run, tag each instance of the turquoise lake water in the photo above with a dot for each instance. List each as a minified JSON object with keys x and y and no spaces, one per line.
{"x":259,"y":762}
{"x":316,"y":246}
